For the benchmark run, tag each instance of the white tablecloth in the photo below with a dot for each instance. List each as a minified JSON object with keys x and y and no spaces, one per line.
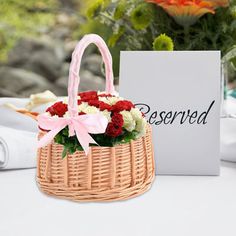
{"x":175,"y":206}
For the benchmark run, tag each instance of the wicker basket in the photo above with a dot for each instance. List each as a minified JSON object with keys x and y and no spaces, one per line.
{"x":106,"y":173}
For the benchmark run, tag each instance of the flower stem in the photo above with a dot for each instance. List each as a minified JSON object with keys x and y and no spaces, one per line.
{"x":186,"y":35}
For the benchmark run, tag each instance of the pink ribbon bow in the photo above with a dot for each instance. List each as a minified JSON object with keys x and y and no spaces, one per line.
{"x":80,"y":126}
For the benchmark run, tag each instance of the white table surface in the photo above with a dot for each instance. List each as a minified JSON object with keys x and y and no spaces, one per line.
{"x":175,"y":206}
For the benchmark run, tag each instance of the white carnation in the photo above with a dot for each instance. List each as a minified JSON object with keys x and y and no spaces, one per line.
{"x":47,"y":114}
{"x":114,"y":100}
{"x":82,"y":106}
{"x":136,"y":113}
{"x":65,"y":100}
{"x":101,"y":92}
{"x":141,"y":125}
{"x":103,"y":99}
{"x":129,"y":122}
{"x":90,"y":110}
{"x":66,"y":115}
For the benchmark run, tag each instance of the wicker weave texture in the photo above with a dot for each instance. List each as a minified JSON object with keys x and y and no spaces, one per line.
{"x":106,"y":174}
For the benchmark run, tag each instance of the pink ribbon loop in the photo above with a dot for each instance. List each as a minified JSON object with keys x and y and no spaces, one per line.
{"x":81,"y":126}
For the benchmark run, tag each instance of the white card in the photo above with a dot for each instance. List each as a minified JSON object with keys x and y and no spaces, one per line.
{"x":179,"y":92}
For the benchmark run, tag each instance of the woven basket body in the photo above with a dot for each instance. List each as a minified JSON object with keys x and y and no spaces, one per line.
{"x":106,"y":174}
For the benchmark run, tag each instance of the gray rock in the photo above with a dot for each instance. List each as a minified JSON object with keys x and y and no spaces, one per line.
{"x":21,"y":82}
{"x":68,"y":4}
{"x":7,"y":93}
{"x":58,"y":90}
{"x":61,"y":33}
{"x":69,"y":48}
{"x":44,"y":58}
{"x":65,"y":69}
{"x":89,"y":81}
{"x":94,"y":64}
{"x":62,"y":82}
{"x":28,"y":91}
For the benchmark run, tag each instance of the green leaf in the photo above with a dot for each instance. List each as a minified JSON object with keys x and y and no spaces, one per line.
{"x":64,"y":153}
{"x":65,"y":132}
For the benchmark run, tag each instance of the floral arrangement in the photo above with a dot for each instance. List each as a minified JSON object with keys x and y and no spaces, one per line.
{"x":125,"y":122}
{"x":187,"y":12}
{"x":166,"y":24}
{"x":195,"y":24}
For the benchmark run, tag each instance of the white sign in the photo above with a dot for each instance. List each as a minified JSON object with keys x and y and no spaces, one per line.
{"x":179,"y":92}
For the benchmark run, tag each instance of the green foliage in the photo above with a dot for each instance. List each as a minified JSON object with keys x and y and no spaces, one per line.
{"x":71,"y":144}
{"x":135,"y":25}
{"x":94,"y":8}
{"x":141,"y":16}
{"x":115,"y":37}
{"x":19,"y":18}
{"x":120,"y":10}
{"x":211,"y":32}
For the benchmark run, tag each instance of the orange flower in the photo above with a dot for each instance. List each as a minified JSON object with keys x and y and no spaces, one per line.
{"x":187,"y":12}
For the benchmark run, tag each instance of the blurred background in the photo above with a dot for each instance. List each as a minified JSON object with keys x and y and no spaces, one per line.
{"x":36,"y":42}
{"x":38,"y":37}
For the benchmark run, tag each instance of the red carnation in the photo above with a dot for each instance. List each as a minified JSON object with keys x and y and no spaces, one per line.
{"x":82,"y":113}
{"x":105,"y":95}
{"x":113,"y":130}
{"x":94,"y":103}
{"x":99,"y":104}
{"x":122,"y":106}
{"x":87,"y":96}
{"x":104,"y":106}
{"x":117,"y":119}
{"x":79,"y":102}
{"x":59,"y":108}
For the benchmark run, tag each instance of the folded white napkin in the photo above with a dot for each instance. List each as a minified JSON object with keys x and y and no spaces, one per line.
{"x":18,"y":148}
{"x":18,"y":102}
{"x":12,"y":119}
{"x":18,"y":134}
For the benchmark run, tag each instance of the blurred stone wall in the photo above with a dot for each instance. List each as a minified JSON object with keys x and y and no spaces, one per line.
{"x":37,"y":64}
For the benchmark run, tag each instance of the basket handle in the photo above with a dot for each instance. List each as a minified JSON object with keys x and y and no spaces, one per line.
{"x":74,"y":78}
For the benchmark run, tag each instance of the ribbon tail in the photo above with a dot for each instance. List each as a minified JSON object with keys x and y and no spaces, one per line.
{"x":47,"y":138}
{"x":71,"y":130}
{"x":84,"y":138}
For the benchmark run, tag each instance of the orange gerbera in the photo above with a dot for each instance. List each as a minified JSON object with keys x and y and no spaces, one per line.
{"x":186,"y":12}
